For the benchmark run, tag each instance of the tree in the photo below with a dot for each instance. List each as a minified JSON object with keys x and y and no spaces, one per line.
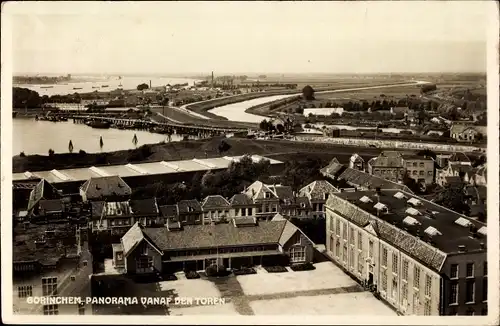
{"x":264,"y":125}
{"x":280,"y":128}
{"x":101,"y":143}
{"x":223,"y":147}
{"x":308,"y":93}
{"x":142,"y":87}
{"x":427,"y":152}
{"x":51,"y":152}
{"x":454,"y":198}
{"x":134,"y":140}
{"x":70,"y":146}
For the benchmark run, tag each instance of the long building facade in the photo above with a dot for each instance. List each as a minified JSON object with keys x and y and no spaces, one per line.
{"x":441,"y":270}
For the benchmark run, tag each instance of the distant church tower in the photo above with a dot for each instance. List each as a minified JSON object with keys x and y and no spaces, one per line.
{"x":212,"y":79}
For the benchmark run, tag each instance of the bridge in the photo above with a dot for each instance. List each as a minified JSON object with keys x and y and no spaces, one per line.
{"x":167,"y":127}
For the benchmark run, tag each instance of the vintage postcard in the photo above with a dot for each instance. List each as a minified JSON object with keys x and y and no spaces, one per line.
{"x":250,"y":162}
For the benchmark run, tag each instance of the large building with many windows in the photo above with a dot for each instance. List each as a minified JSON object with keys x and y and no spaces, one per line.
{"x":422,"y":259}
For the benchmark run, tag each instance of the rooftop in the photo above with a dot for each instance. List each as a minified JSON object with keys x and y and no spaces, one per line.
{"x":32,"y":243}
{"x":392,"y":228}
{"x":105,"y":186}
{"x":316,"y":190}
{"x":129,"y":170}
{"x":215,"y":201}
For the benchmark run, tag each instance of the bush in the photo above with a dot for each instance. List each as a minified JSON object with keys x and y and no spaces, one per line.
{"x":82,"y":152}
{"x":303,"y":267}
{"x":244,"y":271}
{"x":216,"y":270}
{"x":275,"y":269}
{"x":51,"y":152}
{"x":192,"y":275}
{"x":22,"y":154}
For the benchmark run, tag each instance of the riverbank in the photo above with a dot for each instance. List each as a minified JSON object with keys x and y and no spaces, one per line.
{"x":207,"y":148}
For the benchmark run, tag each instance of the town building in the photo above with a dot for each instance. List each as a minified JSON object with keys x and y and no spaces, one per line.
{"x":50,"y":261}
{"x":215,"y":209}
{"x":42,"y":191}
{"x":318,"y":192}
{"x":419,"y":168}
{"x":111,"y":188}
{"x":242,"y":242}
{"x":388,"y":165}
{"x":241,"y":206}
{"x":422,"y":258}
{"x":357,"y":162}
{"x":466,"y":133}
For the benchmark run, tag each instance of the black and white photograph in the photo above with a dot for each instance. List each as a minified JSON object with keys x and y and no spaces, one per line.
{"x":267,"y":161}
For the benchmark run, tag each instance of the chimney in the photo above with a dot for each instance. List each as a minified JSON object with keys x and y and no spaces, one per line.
{"x":482,"y":246}
{"x":461,"y":248}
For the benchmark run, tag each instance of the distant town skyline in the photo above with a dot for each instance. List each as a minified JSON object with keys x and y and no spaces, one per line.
{"x":249,"y":37}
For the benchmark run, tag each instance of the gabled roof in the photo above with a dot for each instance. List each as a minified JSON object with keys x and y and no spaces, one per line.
{"x":215,"y":201}
{"x":333,"y":169}
{"x":257,"y":190}
{"x":102,"y":187}
{"x":316,"y":190}
{"x":43,"y":190}
{"x":168,"y":210}
{"x":282,"y":192}
{"x":189,"y":206}
{"x":111,"y":209}
{"x":460,"y":128}
{"x":387,"y":159}
{"x":134,"y":237}
{"x":356,"y":158}
{"x":240,"y":200}
{"x":144,"y":206}
{"x":362,"y":179}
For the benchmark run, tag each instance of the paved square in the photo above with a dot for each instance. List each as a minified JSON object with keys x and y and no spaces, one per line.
{"x":325,"y":276}
{"x":361,"y":303}
{"x":195,"y":288}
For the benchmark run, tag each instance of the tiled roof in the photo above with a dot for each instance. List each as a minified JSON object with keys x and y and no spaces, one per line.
{"x":103,"y":187}
{"x":142,"y":207}
{"x":189,"y":206}
{"x":220,"y":235}
{"x":356,"y":158}
{"x":365,"y":180}
{"x":334,"y":168}
{"x":111,"y":209}
{"x":303,"y":202}
{"x":168,"y":210}
{"x":387,"y":159}
{"x":215,"y":201}
{"x":51,"y":205}
{"x":240,"y":200}
{"x":133,"y":237}
{"x":282,"y":192}
{"x":391,"y":228}
{"x":316,"y":190}
{"x":460,"y":128}
{"x":257,"y":190}
{"x":42,"y":190}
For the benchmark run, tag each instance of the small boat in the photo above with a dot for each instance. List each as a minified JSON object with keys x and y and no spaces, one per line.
{"x":95,"y":86}
{"x":103,"y":86}
{"x":77,"y":88}
{"x":99,"y":124}
{"x":47,"y":87}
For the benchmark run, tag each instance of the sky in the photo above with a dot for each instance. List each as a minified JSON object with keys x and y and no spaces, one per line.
{"x":249,"y":37}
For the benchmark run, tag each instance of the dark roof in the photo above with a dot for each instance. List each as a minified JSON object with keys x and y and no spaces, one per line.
{"x":25,"y":250}
{"x":43,"y":190}
{"x":392,"y":229}
{"x":189,"y":206}
{"x":106,"y":187}
{"x":24,"y":185}
{"x":333,"y":169}
{"x":168,"y":210}
{"x":96,"y":208}
{"x":144,"y":206}
{"x":282,"y":192}
{"x":215,"y":201}
{"x":220,"y":235}
{"x":387,"y":159}
{"x":111,"y":209}
{"x":316,"y":190}
{"x":240,"y":200}
{"x":453,"y":180}
{"x":52,"y":205}
{"x":303,"y":200}
{"x":362,"y":179}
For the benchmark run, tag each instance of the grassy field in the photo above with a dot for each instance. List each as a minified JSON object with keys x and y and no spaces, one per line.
{"x":371,"y":94}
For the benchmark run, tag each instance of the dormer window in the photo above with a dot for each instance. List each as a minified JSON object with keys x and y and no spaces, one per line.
{"x":303,"y":205}
{"x":267,"y":195}
{"x":326,"y":196}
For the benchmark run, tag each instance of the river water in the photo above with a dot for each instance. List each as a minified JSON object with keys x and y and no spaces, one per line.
{"x":96,"y":84}
{"x":37,"y":137}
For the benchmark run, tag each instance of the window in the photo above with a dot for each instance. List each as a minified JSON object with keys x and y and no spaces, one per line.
{"x":268,"y":195}
{"x":331,"y":244}
{"x":429,"y":173}
{"x":394,"y":263}
{"x":454,"y":271}
{"x":370,"y":249}
{"x":81,"y":309}
{"x":351,"y":258}
{"x":416,"y":277}
{"x":384,"y":280}
{"x":485,"y":289}
{"x":344,"y":231}
{"x":351,"y":236}
{"x":360,"y":241}
{"x":337,"y":228}
{"x":73,"y":277}
{"x":360,"y":263}
{"x":405,"y":269}
{"x":421,"y":164}
{"x":404,"y":295}
{"x":454,"y":293}
{"x":427,"y":308}
{"x":394,"y":288}
{"x":25,"y":291}
{"x":119,"y":256}
{"x":344,"y":253}
{"x":274,"y":208}
{"x":84,"y":263}
{"x":337,"y":249}
{"x":421,"y":173}
{"x":49,"y":286}
{"x":414,"y":172}
{"x":249,"y":210}
{"x":332,"y":225}
{"x":297,"y":254}
{"x":414,"y":164}
{"x":469,"y":291}
{"x":384,"y":257}
{"x":51,"y":309}
{"x":144,"y":262}
{"x":470,"y":270}
{"x":428,"y":285}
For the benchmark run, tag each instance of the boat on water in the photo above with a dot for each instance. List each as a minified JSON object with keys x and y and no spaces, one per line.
{"x":99,"y":124}
{"x":46,"y":86}
{"x":77,"y":88}
{"x":95,"y":86}
{"x":103,"y":86}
